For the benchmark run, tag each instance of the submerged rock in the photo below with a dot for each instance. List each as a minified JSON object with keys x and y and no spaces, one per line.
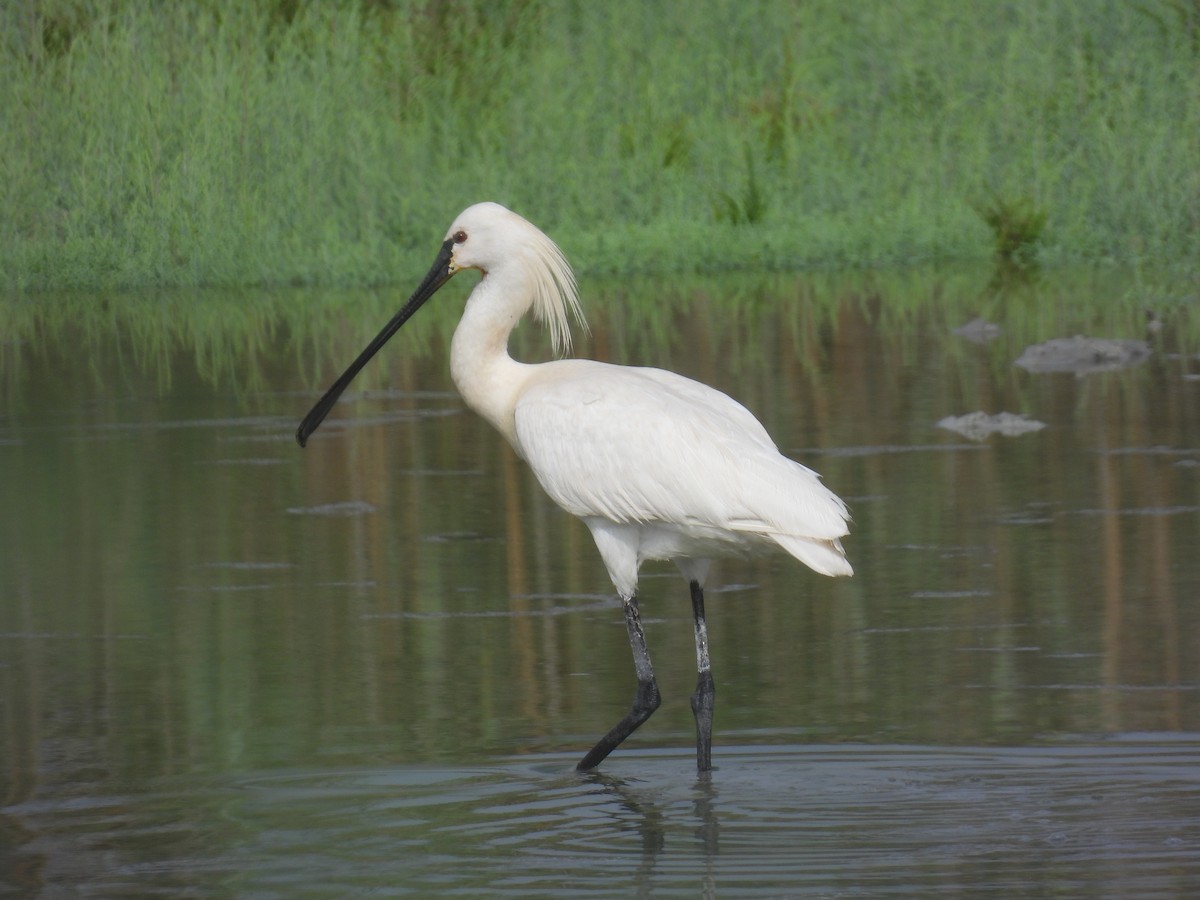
{"x":1083,"y":355}
{"x":346,"y":508}
{"x":979,"y":330}
{"x":978,"y":425}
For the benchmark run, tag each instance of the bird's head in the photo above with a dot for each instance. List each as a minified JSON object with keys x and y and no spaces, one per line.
{"x":489,"y":238}
{"x":484,"y":236}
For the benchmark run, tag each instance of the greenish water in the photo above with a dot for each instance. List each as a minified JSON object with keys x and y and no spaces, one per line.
{"x":229,"y":666}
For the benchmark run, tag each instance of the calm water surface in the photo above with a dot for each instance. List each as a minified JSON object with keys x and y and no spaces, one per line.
{"x":232,"y":667}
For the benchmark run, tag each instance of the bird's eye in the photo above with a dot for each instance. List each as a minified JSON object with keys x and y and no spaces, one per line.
{"x":460,"y":237}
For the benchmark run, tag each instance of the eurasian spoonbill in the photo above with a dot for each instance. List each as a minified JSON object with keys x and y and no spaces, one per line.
{"x":656,"y":465}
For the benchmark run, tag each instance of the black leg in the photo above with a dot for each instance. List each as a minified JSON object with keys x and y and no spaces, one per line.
{"x":645,"y":701}
{"x":702,"y":700}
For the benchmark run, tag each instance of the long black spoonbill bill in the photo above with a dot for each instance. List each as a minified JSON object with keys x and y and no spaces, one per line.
{"x":656,"y":465}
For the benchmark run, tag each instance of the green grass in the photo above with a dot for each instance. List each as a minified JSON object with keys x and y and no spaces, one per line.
{"x":283,"y":143}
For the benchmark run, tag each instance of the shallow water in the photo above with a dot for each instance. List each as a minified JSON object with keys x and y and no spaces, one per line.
{"x":229,"y":666}
{"x":1097,"y":818}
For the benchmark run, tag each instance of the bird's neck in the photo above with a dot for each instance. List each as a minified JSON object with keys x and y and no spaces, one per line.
{"x":488,"y":379}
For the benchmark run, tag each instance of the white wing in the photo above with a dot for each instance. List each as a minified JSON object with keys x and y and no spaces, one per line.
{"x":635,"y":445}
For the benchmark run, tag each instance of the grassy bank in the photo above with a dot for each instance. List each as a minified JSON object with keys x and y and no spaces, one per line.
{"x":331,"y":143}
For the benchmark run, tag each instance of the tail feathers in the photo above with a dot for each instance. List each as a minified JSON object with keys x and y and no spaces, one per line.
{"x":824,"y":557}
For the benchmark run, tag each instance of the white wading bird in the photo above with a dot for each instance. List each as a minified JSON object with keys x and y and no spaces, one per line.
{"x":658,"y":466}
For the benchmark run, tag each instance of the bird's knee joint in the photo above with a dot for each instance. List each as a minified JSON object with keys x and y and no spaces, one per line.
{"x":647,"y":699}
{"x":706,"y":690}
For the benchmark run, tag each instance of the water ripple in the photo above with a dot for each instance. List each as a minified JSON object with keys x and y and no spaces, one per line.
{"x":1120,"y":816}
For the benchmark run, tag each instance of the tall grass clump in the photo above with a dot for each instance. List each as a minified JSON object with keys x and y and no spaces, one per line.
{"x":296,"y":142}
{"x":1016,"y":224}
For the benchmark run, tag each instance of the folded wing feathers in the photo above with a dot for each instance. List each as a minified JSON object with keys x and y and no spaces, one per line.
{"x":657,"y":447}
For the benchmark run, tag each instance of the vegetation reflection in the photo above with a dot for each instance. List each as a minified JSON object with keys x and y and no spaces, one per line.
{"x":184,"y":591}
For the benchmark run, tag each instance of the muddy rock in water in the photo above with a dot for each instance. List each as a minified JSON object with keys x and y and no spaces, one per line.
{"x":978,"y":330}
{"x":978,"y":425}
{"x":1083,"y":355}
